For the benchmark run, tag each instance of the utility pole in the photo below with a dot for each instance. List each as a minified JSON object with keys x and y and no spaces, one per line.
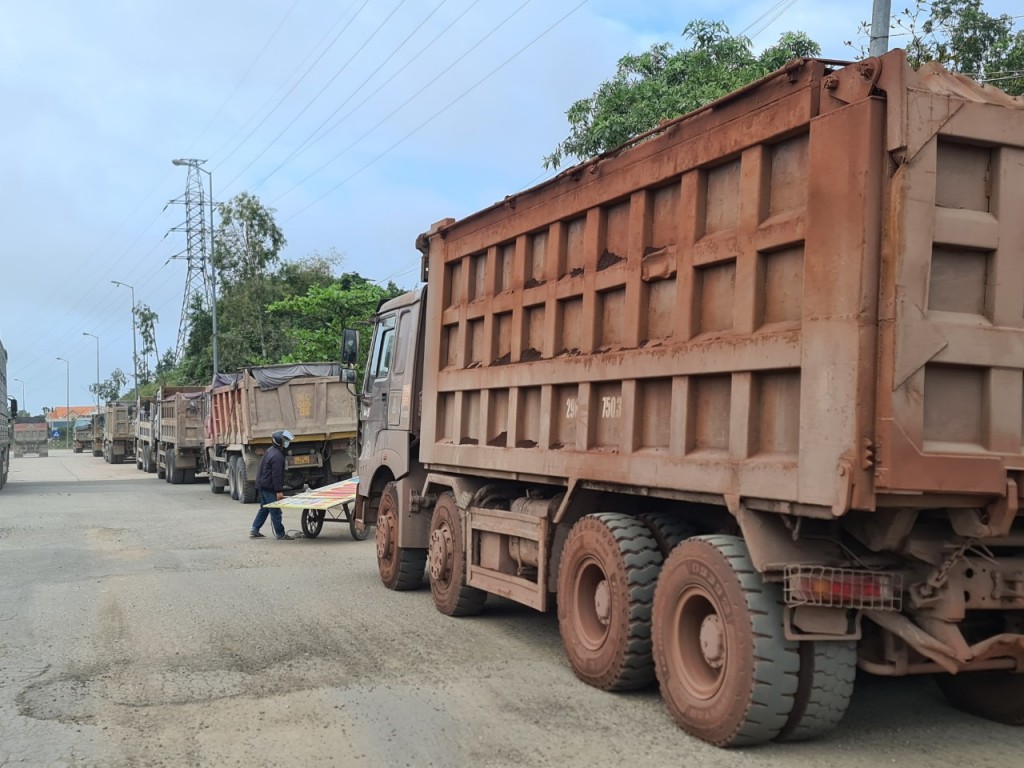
{"x":135,"y":351}
{"x":880,"y":18}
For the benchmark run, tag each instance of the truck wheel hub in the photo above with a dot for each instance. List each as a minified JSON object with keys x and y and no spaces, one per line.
{"x":712,"y":641}
{"x":442,"y":547}
{"x":603,"y":601}
{"x":383,"y":538}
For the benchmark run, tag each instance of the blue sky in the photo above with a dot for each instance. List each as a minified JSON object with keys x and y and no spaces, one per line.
{"x":419,"y":124}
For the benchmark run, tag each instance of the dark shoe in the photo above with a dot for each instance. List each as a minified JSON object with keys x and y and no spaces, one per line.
{"x":286,"y":537}
{"x":256,"y":535}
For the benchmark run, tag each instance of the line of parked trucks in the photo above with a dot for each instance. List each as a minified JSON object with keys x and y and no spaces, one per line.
{"x":743,"y":399}
{"x":218,"y":434}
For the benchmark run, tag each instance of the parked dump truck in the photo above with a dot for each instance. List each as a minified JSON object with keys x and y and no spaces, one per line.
{"x":87,"y":434}
{"x":180,"y":433}
{"x":8,"y":410}
{"x":31,"y":436}
{"x":743,"y":394}
{"x":145,"y":433}
{"x":118,"y":432}
{"x":308,"y":399}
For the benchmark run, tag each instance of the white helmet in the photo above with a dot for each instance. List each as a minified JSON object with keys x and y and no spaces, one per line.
{"x":282,"y":437}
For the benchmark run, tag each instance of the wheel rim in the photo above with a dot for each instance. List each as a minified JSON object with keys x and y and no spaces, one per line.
{"x":386,"y":533}
{"x":592,"y":603}
{"x":699,"y":645}
{"x":442,"y":553}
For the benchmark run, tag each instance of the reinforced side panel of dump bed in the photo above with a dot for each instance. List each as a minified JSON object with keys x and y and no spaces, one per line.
{"x":951,"y":382}
{"x":695,"y":313}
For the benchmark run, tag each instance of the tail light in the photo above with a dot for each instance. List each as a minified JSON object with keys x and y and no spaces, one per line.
{"x":843,"y":588}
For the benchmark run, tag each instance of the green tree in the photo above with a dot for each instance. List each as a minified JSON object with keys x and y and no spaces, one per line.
{"x":315,"y":319}
{"x":663,"y":82}
{"x":961,"y":36}
{"x":109,"y":391}
{"x":145,"y":319}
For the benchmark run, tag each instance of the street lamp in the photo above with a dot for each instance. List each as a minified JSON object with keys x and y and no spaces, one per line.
{"x":67,"y":414}
{"x":135,"y":354}
{"x":86,"y":333}
{"x":208,"y":263}
{"x":23,"y":407}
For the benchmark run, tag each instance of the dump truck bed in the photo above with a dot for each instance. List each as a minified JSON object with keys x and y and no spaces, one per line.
{"x":312,"y":407}
{"x":809,"y":293}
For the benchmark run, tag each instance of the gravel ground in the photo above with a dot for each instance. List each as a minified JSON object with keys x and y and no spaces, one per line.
{"x":139,"y":626}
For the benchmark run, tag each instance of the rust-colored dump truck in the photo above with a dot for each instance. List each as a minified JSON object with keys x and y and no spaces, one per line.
{"x":118,"y":432}
{"x":146,"y":431}
{"x":246,"y":408}
{"x":745,"y":395}
{"x":179,"y":433}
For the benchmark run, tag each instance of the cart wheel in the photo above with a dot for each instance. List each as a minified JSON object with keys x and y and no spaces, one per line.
{"x":312,"y":522}
{"x":354,"y":528}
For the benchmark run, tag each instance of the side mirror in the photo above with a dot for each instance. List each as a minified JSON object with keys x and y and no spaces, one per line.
{"x":348,"y":375}
{"x":349,"y":347}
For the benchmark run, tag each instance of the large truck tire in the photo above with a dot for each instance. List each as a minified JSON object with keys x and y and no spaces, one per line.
{"x":173,"y":475}
{"x":828,"y":669}
{"x":232,"y":478}
{"x":400,"y":568}
{"x":668,"y":530}
{"x":246,"y":487}
{"x":446,"y":561}
{"x":609,"y":568}
{"x":727,"y":672}
{"x":995,"y":695}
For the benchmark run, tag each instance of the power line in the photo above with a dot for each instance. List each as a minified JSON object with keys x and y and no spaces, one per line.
{"x":290,"y":90}
{"x":318,"y":93}
{"x":441,"y":111}
{"x":404,"y":103}
{"x":310,"y":141}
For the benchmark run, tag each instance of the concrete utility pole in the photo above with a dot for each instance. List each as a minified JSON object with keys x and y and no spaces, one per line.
{"x":86,"y":333}
{"x":135,"y":353}
{"x":67,"y":414}
{"x":880,"y":18}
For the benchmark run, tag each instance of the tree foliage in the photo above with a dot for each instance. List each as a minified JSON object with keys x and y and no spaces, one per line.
{"x":109,"y":391}
{"x":269,"y":310}
{"x":316,"y":319}
{"x":664,"y":82}
{"x":963,"y":38}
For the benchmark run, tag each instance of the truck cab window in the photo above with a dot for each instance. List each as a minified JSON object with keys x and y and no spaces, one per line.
{"x":383,"y":347}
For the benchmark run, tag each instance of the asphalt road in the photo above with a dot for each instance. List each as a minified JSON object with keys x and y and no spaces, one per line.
{"x":140,"y":626}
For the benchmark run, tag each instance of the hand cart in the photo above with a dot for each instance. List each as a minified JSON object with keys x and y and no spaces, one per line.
{"x":331,"y":503}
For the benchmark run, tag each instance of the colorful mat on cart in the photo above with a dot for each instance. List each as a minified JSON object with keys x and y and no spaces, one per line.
{"x":321,"y":498}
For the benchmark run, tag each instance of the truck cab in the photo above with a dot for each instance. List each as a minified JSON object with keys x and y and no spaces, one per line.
{"x":389,"y":404}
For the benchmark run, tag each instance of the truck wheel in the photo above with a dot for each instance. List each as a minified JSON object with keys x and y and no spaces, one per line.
{"x":446,"y":560}
{"x":400,"y":568}
{"x":246,"y":487}
{"x":216,"y":484}
{"x":138,"y":459}
{"x":609,"y":567}
{"x":668,"y":530}
{"x":996,"y":695}
{"x":233,"y":478}
{"x":827,"y":672}
{"x":727,"y":672}
{"x":354,"y":530}
{"x":312,"y":522}
{"x":173,"y":476}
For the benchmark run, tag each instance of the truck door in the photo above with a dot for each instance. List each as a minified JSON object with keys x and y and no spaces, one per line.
{"x":374,"y":402}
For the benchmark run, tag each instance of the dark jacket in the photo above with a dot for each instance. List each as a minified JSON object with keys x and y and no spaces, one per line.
{"x":270,"y":476}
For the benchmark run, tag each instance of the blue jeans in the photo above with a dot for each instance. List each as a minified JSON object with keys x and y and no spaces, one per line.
{"x":268,"y":497}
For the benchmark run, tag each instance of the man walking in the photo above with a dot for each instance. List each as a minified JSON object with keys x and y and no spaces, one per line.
{"x":270,"y":486}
